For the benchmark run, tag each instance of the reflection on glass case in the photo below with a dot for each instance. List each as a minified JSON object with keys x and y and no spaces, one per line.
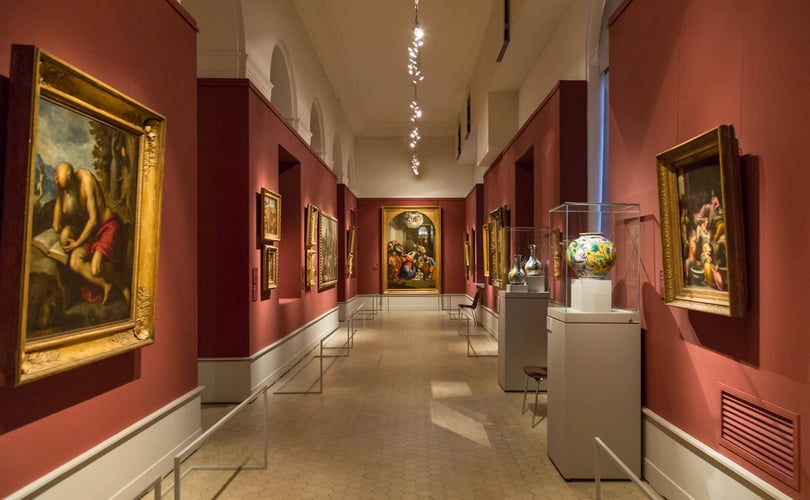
{"x":594,"y":254}
{"x":525,"y":262}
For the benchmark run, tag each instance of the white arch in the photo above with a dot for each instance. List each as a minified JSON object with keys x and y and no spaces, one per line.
{"x":283,"y":96}
{"x":316,"y":141}
{"x":337,"y":159}
{"x":349,"y":175}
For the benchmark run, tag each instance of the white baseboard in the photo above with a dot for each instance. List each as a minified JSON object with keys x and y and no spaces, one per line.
{"x":231,"y":380}
{"x":489,"y":320}
{"x":678,"y":466}
{"x":135,"y":457}
{"x":346,"y":308}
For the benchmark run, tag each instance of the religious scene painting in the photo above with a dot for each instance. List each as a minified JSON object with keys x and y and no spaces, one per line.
{"x":91,"y":212}
{"x":701,"y":224}
{"x":411,"y":244}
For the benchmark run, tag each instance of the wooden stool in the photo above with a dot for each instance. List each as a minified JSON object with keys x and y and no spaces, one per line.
{"x":538,"y":373}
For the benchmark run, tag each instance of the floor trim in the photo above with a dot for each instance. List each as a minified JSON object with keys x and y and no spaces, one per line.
{"x":135,"y":457}
{"x":679,"y":466}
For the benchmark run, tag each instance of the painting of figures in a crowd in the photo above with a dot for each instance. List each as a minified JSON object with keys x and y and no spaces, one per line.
{"x":411,"y":243}
{"x":81,"y":207}
{"x":701,"y":224}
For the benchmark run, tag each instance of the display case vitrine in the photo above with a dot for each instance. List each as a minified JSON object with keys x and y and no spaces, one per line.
{"x":525,"y":259}
{"x":594,"y":337}
{"x":522,"y":304}
{"x":594,"y":253}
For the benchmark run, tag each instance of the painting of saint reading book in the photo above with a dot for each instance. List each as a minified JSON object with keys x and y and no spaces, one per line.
{"x":81,"y":254}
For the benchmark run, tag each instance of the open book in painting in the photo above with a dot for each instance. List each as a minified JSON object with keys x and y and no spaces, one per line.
{"x":48,"y":242}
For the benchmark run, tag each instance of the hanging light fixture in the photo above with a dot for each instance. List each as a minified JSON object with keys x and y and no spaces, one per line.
{"x":415,"y":73}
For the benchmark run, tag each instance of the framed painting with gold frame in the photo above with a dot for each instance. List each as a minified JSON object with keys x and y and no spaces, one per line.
{"x":312,"y":267}
{"x":699,"y":192}
{"x":270,"y":216}
{"x":485,"y":245}
{"x":312,"y":226}
{"x":411,"y":249}
{"x":80,"y":220}
{"x":351,"y":236}
{"x":269,"y":267}
{"x":499,"y":246}
{"x":327,"y":251}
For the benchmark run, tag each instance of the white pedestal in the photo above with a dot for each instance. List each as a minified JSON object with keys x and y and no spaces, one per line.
{"x":594,"y":389}
{"x":521,"y":336}
{"x":591,"y":295}
{"x":536,"y":283}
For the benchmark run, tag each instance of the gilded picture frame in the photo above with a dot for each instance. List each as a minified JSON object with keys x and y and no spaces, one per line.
{"x":467,"y":255}
{"x":485,"y":245}
{"x":411,"y":250}
{"x":700,"y":201}
{"x":312,"y":226}
{"x":270,"y":216}
{"x":81,"y":209}
{"x":269,"y":267}
{"x":312,"y":267}
{"x":498,"y":246}
{"x":351,"y":237}
{"x":327,"y":251}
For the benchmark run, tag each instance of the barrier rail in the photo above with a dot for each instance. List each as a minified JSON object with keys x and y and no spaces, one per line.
{"x":347,"y":346}
{"x":195,"y":445}
{"x":600,"y":445}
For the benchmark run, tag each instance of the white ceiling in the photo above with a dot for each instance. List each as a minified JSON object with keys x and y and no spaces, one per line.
{"x":362,"y":45}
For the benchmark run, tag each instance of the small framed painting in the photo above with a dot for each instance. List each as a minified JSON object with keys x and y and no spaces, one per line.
{"x":269,"y":267}
{"x":271,"y":216}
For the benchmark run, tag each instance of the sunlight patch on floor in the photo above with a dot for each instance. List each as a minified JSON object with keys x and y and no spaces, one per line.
{"x":455,"y":422}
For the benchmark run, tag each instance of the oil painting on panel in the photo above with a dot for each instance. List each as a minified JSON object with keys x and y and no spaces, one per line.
{"x":411,"y":249}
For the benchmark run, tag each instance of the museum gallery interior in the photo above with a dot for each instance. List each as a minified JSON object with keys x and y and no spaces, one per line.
{"x":403,"y":249}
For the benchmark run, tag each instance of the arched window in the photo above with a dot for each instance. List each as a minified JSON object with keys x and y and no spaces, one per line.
{"x":316,"y":142}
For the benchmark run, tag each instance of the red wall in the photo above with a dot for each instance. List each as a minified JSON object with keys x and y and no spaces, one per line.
{"x":240,"y":138}
{"x":347,"y":204}
{"x":554,"y":142}
{"x":368,"y":241}
{"x":677,"y":69}
{"x":45,"y":423}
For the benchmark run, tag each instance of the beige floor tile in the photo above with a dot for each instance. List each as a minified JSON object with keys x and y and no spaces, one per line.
{"x":406,"y":416}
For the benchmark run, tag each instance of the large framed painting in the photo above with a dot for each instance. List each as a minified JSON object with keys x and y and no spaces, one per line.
{"x":486,"y":248}
{"x":269,"y":268}
{"x":700,"y":199}
{"x":498,"y":246}
{"x":270,"y":216}
{"x":80,"y":220}
{"x":327,"y":251}
{"x":411,"y":249}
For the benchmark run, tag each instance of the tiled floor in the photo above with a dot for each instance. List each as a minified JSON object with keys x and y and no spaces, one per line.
{"x":406,"y":415}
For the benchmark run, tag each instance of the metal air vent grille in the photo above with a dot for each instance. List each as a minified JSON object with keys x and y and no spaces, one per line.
{"x":762,"y":433}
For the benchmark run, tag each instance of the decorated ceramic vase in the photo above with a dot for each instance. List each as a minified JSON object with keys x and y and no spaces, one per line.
{"x":532,"y":265}
{"x":516,"y":275}
{"x":591,"y":255}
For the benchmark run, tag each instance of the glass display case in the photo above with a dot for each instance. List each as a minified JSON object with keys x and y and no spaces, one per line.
{"x":594,"y":254}
{"x":524,"y":259}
